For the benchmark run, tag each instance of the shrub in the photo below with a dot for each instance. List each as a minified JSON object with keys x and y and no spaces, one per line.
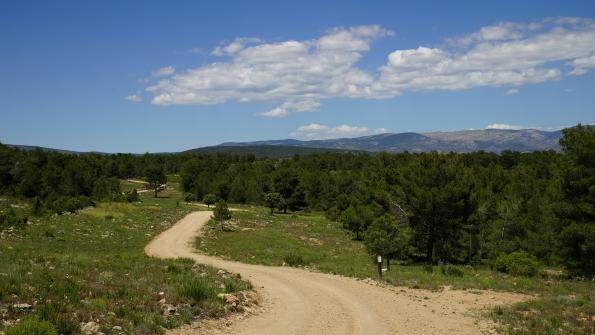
{"x":294,"y":260}
{"x":32,"y":326}
{"x":209,"y":199}
{"x":199,"y":289}
{"x":453,"y":271}
{"x":11,"y":218}
{"x":518,"y":263}
{"x":132,"y":196}
{"x":232,"y":285}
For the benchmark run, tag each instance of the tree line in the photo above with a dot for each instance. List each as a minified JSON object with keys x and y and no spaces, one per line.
{"x":421,"y":207}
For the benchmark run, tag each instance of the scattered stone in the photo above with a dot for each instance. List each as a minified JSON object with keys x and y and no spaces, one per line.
{"x":169,"y":309}
{"x":90,"y":328}
{"x":117,"y":328}
{"x":22,"y":306}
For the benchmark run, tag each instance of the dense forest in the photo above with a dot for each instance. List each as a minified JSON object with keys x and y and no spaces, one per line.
{"x":475,"y":208}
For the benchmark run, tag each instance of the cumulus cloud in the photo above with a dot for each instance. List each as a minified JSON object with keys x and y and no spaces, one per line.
{"x":134,"y":98}
{"x":583,"y":65}
{"x":235,"y":46}
{"x":315,"y":131}
{"x":297,"y":75}
{"x":292,"y":106}
{"x":512,"y":91}
{"x":502,"y":126}
{"x":164,"y":71}
{"x":505,"y":126}
{"x":290,"y":72}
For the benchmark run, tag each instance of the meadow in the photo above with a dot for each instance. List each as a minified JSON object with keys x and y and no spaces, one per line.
{"x":90,"y":269}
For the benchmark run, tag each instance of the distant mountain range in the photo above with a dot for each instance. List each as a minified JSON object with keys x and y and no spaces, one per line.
{"x":493,"y":140}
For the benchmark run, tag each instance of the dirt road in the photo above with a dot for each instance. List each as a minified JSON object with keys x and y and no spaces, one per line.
{"x":301,"y":302}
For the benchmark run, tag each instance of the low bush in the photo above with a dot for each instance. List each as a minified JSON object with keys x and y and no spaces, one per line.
{"x":199,"y":290}
{"x":294,"y":260}
{"x":132,"y":196}
{"x":518,"y":263}
{"x":11,"y":218}
{"x":234,"y":285}
{"x":450,"y":270}
{"x":32,"y":326}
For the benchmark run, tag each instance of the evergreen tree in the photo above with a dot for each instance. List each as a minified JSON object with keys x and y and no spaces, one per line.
{"x":221,"y":213}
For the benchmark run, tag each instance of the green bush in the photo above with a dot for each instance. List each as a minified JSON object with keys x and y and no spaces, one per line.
{"x":450,"y":270}
{"x":236,"y":285}
{"x":428,"y":268}
{"x":518,"y":263}
{"x":11,"y":218}
{"x":199,"y":289}
{"x":294,"y":260}
{"x":32,"y":326}
{"x":132,"y":196}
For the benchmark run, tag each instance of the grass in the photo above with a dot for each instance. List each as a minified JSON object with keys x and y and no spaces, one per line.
{"x":310,"y":240}
{"x":91,"y":267}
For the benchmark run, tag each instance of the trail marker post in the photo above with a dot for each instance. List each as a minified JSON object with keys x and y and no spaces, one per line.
{"x":379,"y":262}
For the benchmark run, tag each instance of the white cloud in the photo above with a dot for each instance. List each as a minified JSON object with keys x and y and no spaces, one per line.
{"x":502,"y":126}
{"x":164,"y":71}
{"x":297,"y":75}
{"x":315,"y":131}
{"x":583,"y":65}
{"x":289,"y":72}
{"x":505,"y":126}
{"x":292,"y":106}
{"x":134,"y":98}
{"x":312,"y":127}
{"x":512,"y":91}
{"x":235,"y":46}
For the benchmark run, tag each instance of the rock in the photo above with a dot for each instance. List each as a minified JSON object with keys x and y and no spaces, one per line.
{"x":162,"y":301}
{"x":220,"y":272}
{"x":230,"y":299}
{"x":252,"y":296}
{"x":117,"y":328}
{"x":169,"y":309}
{"x":22,"y":306}
{"x":90,"y":328}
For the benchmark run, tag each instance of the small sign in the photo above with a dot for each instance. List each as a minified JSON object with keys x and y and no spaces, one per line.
{"x":379,"y":259}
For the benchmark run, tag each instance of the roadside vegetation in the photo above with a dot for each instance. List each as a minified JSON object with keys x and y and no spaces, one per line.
{"x":560,"y":305}
{"x":61,"y":274}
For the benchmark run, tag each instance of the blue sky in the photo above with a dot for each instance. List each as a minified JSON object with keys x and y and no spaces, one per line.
{"x":138,"y":76}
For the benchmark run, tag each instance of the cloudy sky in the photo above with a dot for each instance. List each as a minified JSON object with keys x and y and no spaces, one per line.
{"x":139,"y":76}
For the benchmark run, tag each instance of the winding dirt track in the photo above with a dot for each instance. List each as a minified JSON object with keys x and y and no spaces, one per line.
{"x":301,"y":302}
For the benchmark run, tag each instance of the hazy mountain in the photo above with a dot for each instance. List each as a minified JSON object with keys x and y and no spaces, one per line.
{"x":494,"y":140}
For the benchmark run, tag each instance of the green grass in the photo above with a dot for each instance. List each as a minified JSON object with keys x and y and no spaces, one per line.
{"x":312,"y":241}
{"x":91,"y":266}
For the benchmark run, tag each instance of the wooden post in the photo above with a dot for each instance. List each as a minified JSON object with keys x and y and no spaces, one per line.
{"x":379,"y":262}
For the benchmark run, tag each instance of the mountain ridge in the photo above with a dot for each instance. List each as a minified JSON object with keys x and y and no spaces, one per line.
{"x":492,"y":140}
